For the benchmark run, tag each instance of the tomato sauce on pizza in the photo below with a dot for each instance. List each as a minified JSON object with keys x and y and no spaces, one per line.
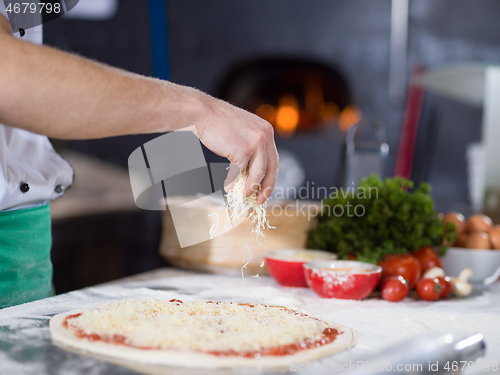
{"x":218,"y":333}
{"x":328,"y":335}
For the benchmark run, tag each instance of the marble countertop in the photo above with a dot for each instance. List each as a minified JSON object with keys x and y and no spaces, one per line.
{"x":26,"y":346}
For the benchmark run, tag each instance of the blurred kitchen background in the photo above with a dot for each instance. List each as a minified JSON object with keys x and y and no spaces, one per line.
{"x":311,"y":68}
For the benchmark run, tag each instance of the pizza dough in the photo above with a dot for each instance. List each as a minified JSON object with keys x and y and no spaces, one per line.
{"x":200,"y":334}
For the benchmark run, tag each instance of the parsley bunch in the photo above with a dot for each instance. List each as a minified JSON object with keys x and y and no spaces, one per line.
{"x":380,"y":218}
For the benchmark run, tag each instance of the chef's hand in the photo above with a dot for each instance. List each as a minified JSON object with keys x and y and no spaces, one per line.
{"x":245,"y":139}
{"x":120,"y":103}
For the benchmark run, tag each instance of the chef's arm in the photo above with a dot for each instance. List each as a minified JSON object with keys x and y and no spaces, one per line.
{"x":64,"y":96}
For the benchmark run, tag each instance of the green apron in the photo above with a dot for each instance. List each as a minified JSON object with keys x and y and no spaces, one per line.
{"x":25,"y":266}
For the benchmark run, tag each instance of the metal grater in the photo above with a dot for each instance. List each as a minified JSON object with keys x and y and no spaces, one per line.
{"x":364,"y":156}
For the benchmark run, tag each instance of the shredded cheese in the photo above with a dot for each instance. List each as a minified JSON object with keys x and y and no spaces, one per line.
{"x":197,"y":325}
{"x":246,"y":264}
{"x":214,"y":226}
{"x":239,"y":206}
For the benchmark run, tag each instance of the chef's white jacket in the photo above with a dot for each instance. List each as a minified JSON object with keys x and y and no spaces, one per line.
{"x":31,"y":172}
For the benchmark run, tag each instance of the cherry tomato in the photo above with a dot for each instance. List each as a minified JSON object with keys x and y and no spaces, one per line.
{"x":401,"y":265}
{"x":428,"y":289}
{"x":427,"y":258}
{"x":445,"y":283}
{"x":394,"y":289}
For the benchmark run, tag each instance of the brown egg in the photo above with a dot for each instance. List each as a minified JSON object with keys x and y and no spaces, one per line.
{"x":478,"y":223}
{"x":478,"y":240}
{"x":456,"y":218}
{"x":460,"y":239}
{"x":494,"y":234}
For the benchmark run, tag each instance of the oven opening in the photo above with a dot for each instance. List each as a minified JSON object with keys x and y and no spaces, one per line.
{"x":295,"y":96}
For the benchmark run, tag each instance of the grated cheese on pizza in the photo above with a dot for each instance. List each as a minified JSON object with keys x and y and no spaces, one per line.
{"x":198,"y":326}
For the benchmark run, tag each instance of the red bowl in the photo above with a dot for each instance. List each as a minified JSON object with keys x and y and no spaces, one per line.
{"x":285,"y":265}
{"x":342,"y":279}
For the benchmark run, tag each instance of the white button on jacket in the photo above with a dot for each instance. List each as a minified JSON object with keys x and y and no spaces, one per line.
{"x":31,"y":172}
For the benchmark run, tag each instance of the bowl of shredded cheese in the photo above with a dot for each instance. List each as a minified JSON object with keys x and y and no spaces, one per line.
{"x":342,"y":279}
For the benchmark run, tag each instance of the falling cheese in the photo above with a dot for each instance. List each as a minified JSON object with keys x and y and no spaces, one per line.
{"x":197,"y":325}
{"x":239,"y":206}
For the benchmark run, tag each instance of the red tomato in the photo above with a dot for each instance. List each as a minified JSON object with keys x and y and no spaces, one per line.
{"x":427,"y":258}
{"x":401,"y":265}
{"x":428,"y":289}
{"x":394,"y":289}
{"x":445,"y":283}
